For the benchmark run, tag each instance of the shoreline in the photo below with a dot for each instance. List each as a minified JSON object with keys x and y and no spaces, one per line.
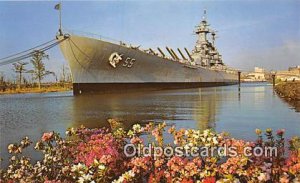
{"x":288,"y":90}
{"x":35,"y":90}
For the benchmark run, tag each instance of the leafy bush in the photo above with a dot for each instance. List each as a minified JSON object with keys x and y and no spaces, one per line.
{"x":97,"y":155}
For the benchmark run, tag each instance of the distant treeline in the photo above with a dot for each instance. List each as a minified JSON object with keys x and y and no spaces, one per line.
{"x":38,"y":73}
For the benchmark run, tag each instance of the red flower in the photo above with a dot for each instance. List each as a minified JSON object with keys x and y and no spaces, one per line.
{"x":209,"y":180}
{"x":156,"y":176}
{"x":187,"y":181}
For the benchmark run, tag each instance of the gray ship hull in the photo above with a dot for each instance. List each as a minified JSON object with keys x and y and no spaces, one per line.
{"x":93,"y":72}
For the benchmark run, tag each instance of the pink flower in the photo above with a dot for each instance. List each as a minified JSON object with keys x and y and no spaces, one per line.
{"x":280,"y":132}
{"x":141,"y":164}
{"x":47,"y":136}
{"x":158,"y":163}
{"x":136,"y":140}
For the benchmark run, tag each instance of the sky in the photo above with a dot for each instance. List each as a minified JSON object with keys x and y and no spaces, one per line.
{"x":250,"y":33}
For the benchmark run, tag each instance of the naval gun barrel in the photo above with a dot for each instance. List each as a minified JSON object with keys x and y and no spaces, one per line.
{"x":187,"y":52}
{"x":152,"y":51}
{"x":181,"y":54}
{"x":161,"y":52}
{"x":177,"y":58}
{"x":170,"y":52}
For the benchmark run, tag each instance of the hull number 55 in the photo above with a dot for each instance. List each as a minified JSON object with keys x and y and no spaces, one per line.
{"x":116,"y":58}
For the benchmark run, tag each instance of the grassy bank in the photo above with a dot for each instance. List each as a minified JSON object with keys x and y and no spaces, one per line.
{"x":36,"y":90}
{"x":289,"y":90}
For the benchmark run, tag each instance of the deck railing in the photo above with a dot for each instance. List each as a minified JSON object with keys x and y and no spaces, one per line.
{"x":92,"y":35}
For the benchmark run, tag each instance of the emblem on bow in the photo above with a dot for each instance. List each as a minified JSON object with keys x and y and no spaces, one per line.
{"x":114,"y":59}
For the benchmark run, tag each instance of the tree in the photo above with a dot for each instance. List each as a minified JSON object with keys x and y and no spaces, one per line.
{"x":19,"y":68}
{"x":1,"y":78}
{"x":63,"y":76}
{"x":39,"y":72}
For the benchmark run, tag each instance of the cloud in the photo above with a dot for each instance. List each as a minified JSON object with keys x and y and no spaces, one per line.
{"x":277,"y":58}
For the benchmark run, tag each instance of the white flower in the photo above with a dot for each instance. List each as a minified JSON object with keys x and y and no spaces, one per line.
{"x":207,"y":145}
{"x":121,"y":179}
{"x":131,"y":173}
{"x":186,"y":147}
{"x":85,"y":178}
{"x":13,"y":158}
{"x":80,"y":180}
{"x":205,"y":133}
{"x":196,"y":136}
{"x":186,"y":132}
{"x":77,"y":167}
{"x":101,"y":167}
{"x":215,"y":141}
{"x":236,"y":181}
{"x":262,"y":177}
{"x":136,"y":128}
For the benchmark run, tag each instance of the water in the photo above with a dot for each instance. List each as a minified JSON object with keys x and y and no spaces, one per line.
{"x":221,"y":108}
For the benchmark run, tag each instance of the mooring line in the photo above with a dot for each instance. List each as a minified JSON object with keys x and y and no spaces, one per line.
{"x":30,"y":54}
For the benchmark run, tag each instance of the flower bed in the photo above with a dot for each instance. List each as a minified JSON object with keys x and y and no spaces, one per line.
{"x":100,"y":155}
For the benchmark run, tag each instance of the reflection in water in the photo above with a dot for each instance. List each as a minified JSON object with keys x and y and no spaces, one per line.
{"x":207,"y":104}
{"x":293,"y":104}
{"x":259,"y":94}
{"x":199,"y":105}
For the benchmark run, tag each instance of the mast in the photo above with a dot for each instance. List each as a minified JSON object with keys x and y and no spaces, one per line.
{"x":60,"y":29}
{"x":58,"y":7}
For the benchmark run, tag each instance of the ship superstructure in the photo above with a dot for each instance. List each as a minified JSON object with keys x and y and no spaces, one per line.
{"x":205,"y":52}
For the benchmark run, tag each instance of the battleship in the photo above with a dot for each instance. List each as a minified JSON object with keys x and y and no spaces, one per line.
{"x":100,"y":65}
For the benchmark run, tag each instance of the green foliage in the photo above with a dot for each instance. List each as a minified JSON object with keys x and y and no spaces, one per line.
{"x":39,"y":72}
{"x":19,"y":68}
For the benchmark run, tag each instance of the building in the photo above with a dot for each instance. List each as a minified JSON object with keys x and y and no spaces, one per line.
{"x":292,"y":74}
{"x":257,"y":76}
